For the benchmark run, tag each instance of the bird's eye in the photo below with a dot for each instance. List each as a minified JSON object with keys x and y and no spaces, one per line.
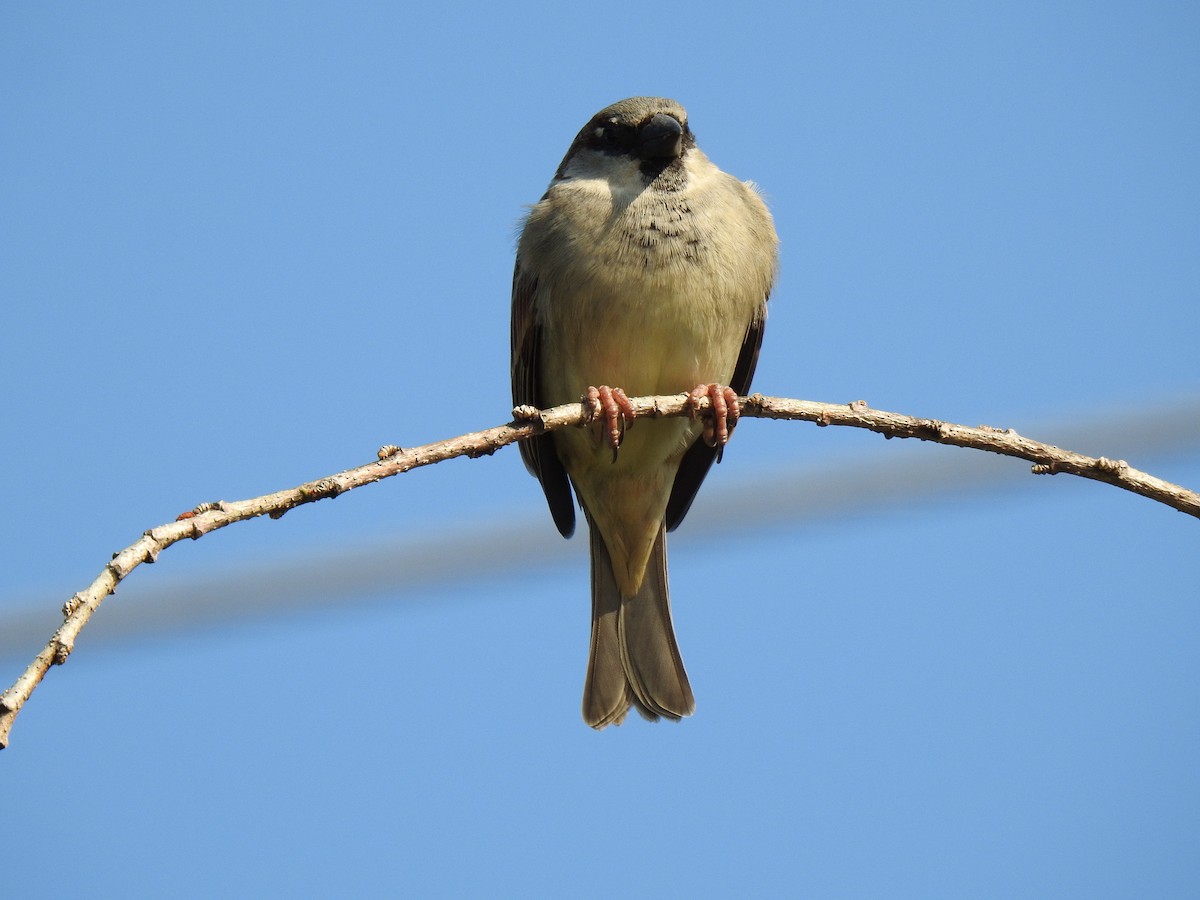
{"x":611,"y":137}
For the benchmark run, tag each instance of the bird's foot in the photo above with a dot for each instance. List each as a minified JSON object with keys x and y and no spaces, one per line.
{"x":616,"y":410}
{"x":725,"y":411}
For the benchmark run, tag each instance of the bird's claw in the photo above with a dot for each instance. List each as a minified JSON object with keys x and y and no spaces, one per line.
{"x":725,"y":411}
{"x":617,"y":412}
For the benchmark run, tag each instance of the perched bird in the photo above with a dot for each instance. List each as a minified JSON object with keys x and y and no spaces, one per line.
{"x":644,"y":269}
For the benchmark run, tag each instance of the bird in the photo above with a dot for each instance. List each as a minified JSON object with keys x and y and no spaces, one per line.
{"x":643,"y":270}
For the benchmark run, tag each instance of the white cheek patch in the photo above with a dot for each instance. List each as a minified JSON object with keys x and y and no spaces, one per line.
{"x":615,"y":174}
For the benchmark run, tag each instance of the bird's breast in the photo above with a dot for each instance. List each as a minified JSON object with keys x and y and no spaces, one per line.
{"x":644,"y":288}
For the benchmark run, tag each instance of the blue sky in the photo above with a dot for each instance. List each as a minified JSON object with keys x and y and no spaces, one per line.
{"x":243,"y":245}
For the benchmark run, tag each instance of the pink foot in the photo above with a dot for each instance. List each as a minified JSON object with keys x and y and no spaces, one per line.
{"x":725,"y":412}
{"x":614,"y":406}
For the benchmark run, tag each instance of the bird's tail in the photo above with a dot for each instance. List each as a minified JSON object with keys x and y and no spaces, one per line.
{"x":634,"y":659}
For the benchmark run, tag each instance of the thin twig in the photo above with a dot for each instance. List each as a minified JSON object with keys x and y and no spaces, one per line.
{"x":1047,"y":459}
{"x":528,"y":421}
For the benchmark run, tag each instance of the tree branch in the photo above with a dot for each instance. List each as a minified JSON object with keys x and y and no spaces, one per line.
{"x":527,"y":422}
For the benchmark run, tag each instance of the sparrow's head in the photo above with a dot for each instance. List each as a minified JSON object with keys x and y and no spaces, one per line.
{"x":646,"y":134}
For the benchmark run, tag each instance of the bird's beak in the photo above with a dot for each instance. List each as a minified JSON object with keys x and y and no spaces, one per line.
{"x":661,"y":138}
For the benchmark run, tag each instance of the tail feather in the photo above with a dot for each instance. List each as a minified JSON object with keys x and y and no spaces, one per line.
{"x":606,"y":695}
{"x":634,"y":658}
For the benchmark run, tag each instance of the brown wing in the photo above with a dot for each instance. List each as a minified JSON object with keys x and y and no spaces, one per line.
{"x":699,"y":457}
{"x":537,"y":452}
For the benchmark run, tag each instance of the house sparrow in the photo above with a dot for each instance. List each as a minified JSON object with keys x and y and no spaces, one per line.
{"x":644,"y":269}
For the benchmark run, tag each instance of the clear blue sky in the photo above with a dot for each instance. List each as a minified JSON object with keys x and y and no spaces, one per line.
{"x":244,"y":244}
